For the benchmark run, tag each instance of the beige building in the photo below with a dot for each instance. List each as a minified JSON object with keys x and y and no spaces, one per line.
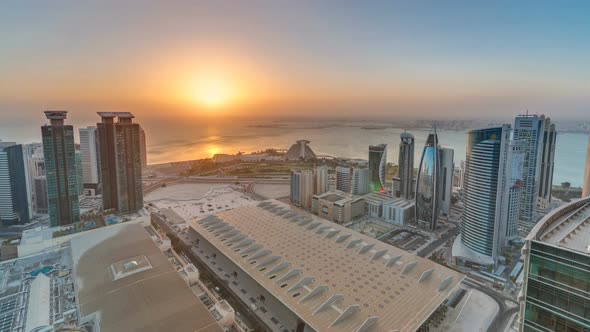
{"x":320,"y":179}
{"x":338,"y":206}
{"x":301,"y":188}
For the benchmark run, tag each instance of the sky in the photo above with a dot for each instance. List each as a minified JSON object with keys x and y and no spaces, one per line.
{"x":324,"y":59}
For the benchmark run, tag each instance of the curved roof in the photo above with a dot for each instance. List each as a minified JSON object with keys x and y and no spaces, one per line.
{"x":38,"y":307}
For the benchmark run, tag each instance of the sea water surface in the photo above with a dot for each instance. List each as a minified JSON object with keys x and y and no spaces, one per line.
{"x":342,"y":139}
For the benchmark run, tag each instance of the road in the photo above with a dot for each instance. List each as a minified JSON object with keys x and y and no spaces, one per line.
{"x":505,"y":312}
{"x":431,"y":247}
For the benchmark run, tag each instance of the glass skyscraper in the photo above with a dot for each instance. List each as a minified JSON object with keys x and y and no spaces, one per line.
{"x":60,"y":169}
{"x":406,"y":166}
{"x":428,"y":184}
{"x":377,"y":167}
{"x":14,"y":185}
{"x":555,"y":294}
{"x":485,"y":196}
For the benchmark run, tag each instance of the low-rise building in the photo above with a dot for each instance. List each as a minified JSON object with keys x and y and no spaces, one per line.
{"x":338,"y":206}
{"x":303,"y":273}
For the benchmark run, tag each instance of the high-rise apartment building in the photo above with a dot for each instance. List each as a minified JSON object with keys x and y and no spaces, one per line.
{"x":406,"y":166}
{"x":90,"y":163}
{"x":40,"y":193}
{"x":143,"y":147}
{"x":360,"y":181}
{"x":35,"y":161}
{"x":516,"y":165}
{"x":586,"y":185}
{"x":79,"y":175}
{"x":320,"y":179}
{"x":14,"y":185}
{"x":554,"y":295}
{"x":485,"y":196}
{"x":343,"y":179}
{"x":301,"y":188}
{"x":60,"y":168}
{"x":377,"y":167}
{"x":547,"y":156}
{"x":120,"y":162}
{"x":538,"y":159}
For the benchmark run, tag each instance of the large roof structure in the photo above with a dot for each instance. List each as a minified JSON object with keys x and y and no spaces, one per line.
{"x":331,"y":277}
{"x":567,"y":226}
{"x":129,"y":283}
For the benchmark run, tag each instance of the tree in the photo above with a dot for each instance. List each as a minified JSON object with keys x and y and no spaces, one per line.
{"x":565,"y":184}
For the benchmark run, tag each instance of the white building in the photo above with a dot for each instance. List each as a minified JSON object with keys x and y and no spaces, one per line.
{"x":360,"y":181}
{"x":343,"y":179}
{"x":301,"y":188}
{"x":89,"y":155}
{"x":320,"y":179}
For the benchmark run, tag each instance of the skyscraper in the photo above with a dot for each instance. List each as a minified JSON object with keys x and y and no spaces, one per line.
{"x":320,"y":179}
{"x":143,"y":147}
{"x":343,"y":179}
{"x":428,"y":184}
{"x":406,"y":166}
{"x":516,"y":165}
{"x":90,"y":163}
{"x":377,"y":167}
{"x":14,"y":185}
{"x":360,"y":181}
{"x":120,"y":162}
{"x":79,"y":175}
{"x":484,"y":196}
{"x":531,"y":129}
{"x":301,"y":188}
{"x":547,"y":156}
{"x":586,"y":185}
{"x":447,"y":166}
{"x":38,"y":182}
{"x":60,"y":168}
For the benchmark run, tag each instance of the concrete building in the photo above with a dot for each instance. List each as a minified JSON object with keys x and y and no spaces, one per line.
{"x":120,"y":162}
{"x":538,"y":159}
{"x":398,"y":211}
{"x":586,"y":184}
{"x":79,"y":173}
{"x":406,"y":166}
{"x":516,"y":164}
{"x":549,"y":139}
{"x":14,"y":185}
{"x":459,"y":176}
{"x":554,"y":295}
{"x":485,"y":197}
{"x":320,"y":179}
{"x":377,"y":167}
{"x":41,"y":206}
{"x":90,"y":162}
{"x":300,"y":150}
{"x":143,"y":147}
{"x":360,"y":181}
{"x":338,"y":206}
{"x":301,"y":188}
{"x":303,"y":273}
{"x":60,"y":167}
{"x":38,"y":181}
{"x":343,"y":179}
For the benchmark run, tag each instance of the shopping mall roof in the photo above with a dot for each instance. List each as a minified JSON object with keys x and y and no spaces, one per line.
{"x":567,"y":226}
{"x":333,"y":278}
{"x":123,"y":276}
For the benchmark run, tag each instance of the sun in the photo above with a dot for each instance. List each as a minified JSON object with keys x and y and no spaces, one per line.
{"x":212,"y":92}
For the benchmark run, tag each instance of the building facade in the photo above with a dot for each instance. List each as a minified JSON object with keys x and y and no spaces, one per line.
{"x":447,"y":166}
{"x":143,"y":147}
{"x":428,"y":184}
{"x":320,"y":179}
{"x":60,"y":168}
{"x":516,"y":164}
{"x":90,"y":163}
{"x":360,"y":181}
{"x":343,"y":179}
{"x":549,"y":139}
{"x":301,"y":188}
{"x":120,"y":162}
{"x":338,"y":206}
{"x":14,"y":185}
{"x":555,"y":292}
{"x":377,"y":167}
{"x":484,"y":196}
{"x":406,"y":166}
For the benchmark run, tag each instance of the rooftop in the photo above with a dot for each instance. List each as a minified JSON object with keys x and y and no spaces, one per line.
{"x":333,"y":278}
{"x":377,"y":197}
{"x":567,"y":226}
{"x":148,"y":283}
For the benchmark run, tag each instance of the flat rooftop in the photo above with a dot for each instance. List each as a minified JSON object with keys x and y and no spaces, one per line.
{"x":376,"y":197}
{"x":567,"y":226}
{"x":123,"y":276}
{"x":331,"y":277}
